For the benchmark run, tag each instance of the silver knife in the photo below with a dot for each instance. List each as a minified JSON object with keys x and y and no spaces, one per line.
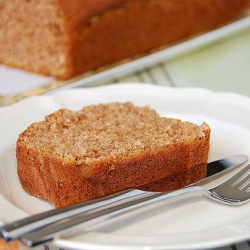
{"x":40,"y":228}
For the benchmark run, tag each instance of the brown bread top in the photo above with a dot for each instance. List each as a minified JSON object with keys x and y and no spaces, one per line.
{"x":106,"y":144}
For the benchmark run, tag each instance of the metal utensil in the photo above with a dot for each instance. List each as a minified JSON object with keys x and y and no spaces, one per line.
{"x":235,"y":191}
{"x":104,"y":205}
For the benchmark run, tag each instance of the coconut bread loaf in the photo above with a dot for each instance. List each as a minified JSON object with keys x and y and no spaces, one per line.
{"x":62,"y":38}
{"x":73,"y":156}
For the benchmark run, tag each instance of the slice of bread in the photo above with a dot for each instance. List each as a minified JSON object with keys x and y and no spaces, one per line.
{"x":73,"y":156}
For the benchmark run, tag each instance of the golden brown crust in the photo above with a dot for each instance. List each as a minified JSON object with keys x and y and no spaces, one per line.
{"x":75,"y":156}
{"x":178,"y":180}
{"x":63,"y":38}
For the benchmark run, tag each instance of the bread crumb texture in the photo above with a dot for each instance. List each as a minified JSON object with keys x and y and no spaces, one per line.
{"x":107,"y":147}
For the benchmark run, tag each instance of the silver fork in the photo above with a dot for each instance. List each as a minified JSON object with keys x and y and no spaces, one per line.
{"x":234,"y":191}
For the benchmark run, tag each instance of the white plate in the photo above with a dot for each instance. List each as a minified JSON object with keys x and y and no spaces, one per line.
{"x":190,"y":223}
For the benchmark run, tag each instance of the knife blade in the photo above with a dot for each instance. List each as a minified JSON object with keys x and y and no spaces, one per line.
{"x":38,"y":228}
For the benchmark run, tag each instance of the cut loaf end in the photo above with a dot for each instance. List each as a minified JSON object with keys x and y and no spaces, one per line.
{"x":74,"y":156}
{"x":62,"y":38}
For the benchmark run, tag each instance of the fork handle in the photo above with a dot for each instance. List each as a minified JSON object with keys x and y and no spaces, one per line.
{"x":49,"y":232}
